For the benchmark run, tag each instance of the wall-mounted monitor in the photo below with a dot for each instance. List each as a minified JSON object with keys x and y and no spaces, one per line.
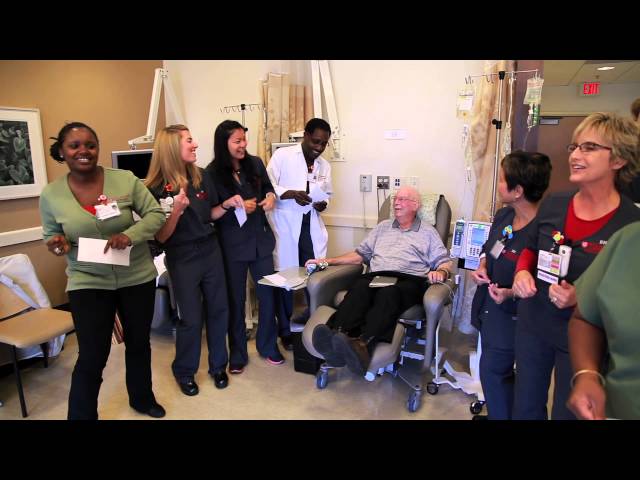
{"x":137,"y":161}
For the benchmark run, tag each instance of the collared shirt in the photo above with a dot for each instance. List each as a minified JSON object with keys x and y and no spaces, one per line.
{"x":415,"y":251}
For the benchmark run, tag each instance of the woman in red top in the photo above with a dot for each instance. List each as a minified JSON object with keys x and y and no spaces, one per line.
{"x":571,"y":228}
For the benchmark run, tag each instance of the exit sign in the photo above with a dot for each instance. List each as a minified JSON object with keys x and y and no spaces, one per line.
{"x":590,"y":89}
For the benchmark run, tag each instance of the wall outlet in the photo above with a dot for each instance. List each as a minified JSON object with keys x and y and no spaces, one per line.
{"x":365,"y":183}
{"x":399,"y":182}
{"x":382,"y":183}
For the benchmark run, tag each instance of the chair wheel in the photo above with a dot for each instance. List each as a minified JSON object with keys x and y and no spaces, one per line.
{"x":476,"y":407}
{"x":432,"y":388}
{"x":414,"y":400}
{"x":322,"y":379}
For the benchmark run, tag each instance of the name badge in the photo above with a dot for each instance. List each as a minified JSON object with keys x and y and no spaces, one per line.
{"x":108,"y":210}
{"x":549,"y":266}
{"x":497,"y":249}
{"x":312,"y":177}
{"x":167,"y":205}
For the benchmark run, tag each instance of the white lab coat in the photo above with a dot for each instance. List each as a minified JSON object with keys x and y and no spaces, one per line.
{"x":287,"y":170}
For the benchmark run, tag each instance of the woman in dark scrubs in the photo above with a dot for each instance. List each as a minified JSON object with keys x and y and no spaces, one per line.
{"x":246,"y":247}
{"x":570,"y":229}
{"x":194,"y":259}
{"x":524,"y":177}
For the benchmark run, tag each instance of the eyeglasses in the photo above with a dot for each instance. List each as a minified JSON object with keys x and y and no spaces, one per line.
{"x":405,"y":199}
{"x":586,"y":147}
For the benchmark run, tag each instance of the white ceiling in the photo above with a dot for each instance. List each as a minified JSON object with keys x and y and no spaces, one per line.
{"x":572,"y":72}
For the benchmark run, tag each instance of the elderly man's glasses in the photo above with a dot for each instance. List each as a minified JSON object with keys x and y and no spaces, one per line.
{"x":586,"y":147}
{"x":405,"y":199}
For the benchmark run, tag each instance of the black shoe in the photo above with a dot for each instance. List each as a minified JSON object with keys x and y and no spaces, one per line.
{"x":220,"y":379}
{"x":188,"y":386}
{"x":480,"y":417}
{"x":155,"y":411}
{"x":321,"y":339}
{"x":287,"y":343}
{"x":302,"y":318}
{"x":354,"y":351}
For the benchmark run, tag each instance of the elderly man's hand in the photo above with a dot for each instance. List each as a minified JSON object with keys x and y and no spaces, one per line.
{"x":436,"y":276}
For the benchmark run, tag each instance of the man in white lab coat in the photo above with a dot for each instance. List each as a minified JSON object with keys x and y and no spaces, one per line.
{"x":302,"y":182}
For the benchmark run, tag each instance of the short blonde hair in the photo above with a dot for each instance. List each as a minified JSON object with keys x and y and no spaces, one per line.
{"x":167,"y":166}
{"x":624,"y":136}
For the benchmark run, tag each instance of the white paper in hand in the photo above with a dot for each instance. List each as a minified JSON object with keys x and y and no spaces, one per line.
{"x":241,"y":215}
{"x":92,"y":250}
{"x":317,"y":194}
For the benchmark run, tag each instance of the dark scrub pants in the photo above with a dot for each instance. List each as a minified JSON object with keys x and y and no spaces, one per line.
{"x":266,"y":335}
{"x":197,"y":276}
{"x":496,"y":362}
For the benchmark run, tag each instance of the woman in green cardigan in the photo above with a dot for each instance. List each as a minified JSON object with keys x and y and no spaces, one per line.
{"x":95,"y":202}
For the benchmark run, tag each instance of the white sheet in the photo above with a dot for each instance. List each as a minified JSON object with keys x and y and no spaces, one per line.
{"x":92,"y":250}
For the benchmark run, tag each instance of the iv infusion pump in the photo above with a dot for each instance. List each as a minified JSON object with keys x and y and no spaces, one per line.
{"x":468,"y":238}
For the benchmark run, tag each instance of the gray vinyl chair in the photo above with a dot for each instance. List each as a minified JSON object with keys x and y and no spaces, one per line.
{"x":327,"y":288}
{"x":165,"y":312}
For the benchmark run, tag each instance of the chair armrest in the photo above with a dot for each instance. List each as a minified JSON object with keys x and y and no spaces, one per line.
{"x":435,"y":299}
{"x":323,"y":286}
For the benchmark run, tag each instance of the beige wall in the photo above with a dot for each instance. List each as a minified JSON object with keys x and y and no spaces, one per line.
{"x":111,"y":96}
{"x":371,"y":97}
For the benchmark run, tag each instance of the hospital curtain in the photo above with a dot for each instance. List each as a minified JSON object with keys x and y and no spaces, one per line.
{"x":483,"y":135}
{"x":483,"y":148}
{"x":287,"y":109}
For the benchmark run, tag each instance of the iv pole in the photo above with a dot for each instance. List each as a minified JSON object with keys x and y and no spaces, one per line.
{"x":243,"y":108}
{"x":498,"y":123}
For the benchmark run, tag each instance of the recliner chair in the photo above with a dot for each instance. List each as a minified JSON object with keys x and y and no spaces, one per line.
{"x":327,"y":288}
{"x":165,"y":313}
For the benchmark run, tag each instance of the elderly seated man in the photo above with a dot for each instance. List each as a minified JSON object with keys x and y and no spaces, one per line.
{"x":406,"y":249}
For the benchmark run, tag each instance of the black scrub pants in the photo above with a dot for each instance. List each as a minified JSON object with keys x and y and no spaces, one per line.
{"x":197,"y":277}
{"x":93,"y":312}
{"x":498,"y":331}
{"x":536,"y":357}
{"x":284,"y":298}
{"x":373,"y":312}
{"x":267,"y":334}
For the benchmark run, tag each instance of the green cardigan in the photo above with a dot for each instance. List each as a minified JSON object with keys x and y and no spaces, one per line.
{"x":63,"y":215}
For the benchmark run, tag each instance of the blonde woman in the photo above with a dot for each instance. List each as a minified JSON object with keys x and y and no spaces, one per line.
{"x":193,"y":255}
{"x":574,"y":227}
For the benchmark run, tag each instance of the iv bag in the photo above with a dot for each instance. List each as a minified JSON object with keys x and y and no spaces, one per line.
{"x":506,"y":141}
{"x":465,"y":102}
{"x":534,"y":91}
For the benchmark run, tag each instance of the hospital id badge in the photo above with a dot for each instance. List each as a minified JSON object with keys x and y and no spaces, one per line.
{"x":108,"y":210}
{"x":497,"y":249}
{"x":167,"y":205}
{"x":549,"y":266}
{"x":312,"y":177}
